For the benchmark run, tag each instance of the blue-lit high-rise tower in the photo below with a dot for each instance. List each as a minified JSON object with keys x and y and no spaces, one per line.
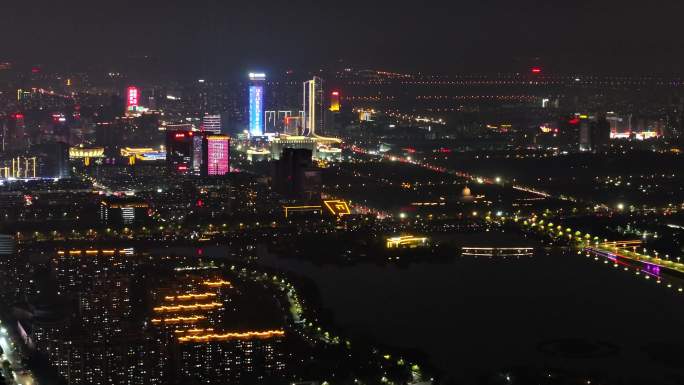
{"x":256,"y":103}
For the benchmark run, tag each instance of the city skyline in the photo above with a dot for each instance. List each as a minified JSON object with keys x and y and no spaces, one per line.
{"x":349,"y":193}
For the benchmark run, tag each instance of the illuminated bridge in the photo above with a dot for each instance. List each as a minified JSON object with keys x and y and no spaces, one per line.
{"x":619,"y":253}
{"x":497,"y":251}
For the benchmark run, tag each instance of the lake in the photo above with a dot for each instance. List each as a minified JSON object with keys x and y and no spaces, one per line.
{"x":477,"y":315}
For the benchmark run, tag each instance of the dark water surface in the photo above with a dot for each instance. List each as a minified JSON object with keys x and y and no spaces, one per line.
{"x":478,"y":315}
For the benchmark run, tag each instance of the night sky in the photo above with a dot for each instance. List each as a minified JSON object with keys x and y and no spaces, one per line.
{"x":213,"y":36}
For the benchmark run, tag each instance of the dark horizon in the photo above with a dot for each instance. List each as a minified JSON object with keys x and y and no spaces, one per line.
{"x":209,"y":37}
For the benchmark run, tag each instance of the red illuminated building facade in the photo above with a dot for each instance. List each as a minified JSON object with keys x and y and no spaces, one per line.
{"x":132,"y":98}
{"x":217,"y":155}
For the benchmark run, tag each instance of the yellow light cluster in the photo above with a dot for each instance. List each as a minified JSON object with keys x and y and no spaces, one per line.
{"x":187,"y":297}
{"x":194,"y":331}
{"x":89,"y":252}
{"x":218,"y":283}
{"x":212,"y":337}
{"x":337,"y":207}
{"x":80,"y":152}
{"x":132,"y":151}
{"x":406,"y":240}
{"x":195,"y":306}
{"x":179,"y":320}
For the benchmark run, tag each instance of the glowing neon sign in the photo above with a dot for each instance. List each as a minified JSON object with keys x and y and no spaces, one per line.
{"x":335,"y":101}
{"x":218,"y":155}
{"x":337,"y":207}
{"x":132,"y":96}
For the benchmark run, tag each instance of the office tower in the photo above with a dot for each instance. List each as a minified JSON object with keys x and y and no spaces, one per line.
{"x":600,"y":131}
{"x":53,"y":159}
{"x":197,"y":153}
{"x":211,"y":124}
{"x":216,"y":151}
{"x":180,"y":151}
{"x":585,"y":136}
{"x":61,"y":131}
{"x":198,"y":157}
{"x":107,"y":134}
{"x":13,"y":133}
{"x":277,"y":121}
{"x":132,"y":98}
{"x":335,"y":101}
{"x":8,"y":270}
{"x":270,"y":122}
{"x":6,"y":245}
{"x":594,"y":132}
{"x":256,"y":103}
{"x":295,"y":176}
{"x":313,"y":107}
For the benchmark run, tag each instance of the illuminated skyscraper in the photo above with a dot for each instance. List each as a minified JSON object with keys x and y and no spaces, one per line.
{"x":335,"y":101}
{"x":256,"y":103}
{"x":211,"y":124}
{"x":314,"y":117}
{"x":217,"y":155}
{"x":132,"y":97}
{"x":179,"y":151}
{"x":197,"y":153}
